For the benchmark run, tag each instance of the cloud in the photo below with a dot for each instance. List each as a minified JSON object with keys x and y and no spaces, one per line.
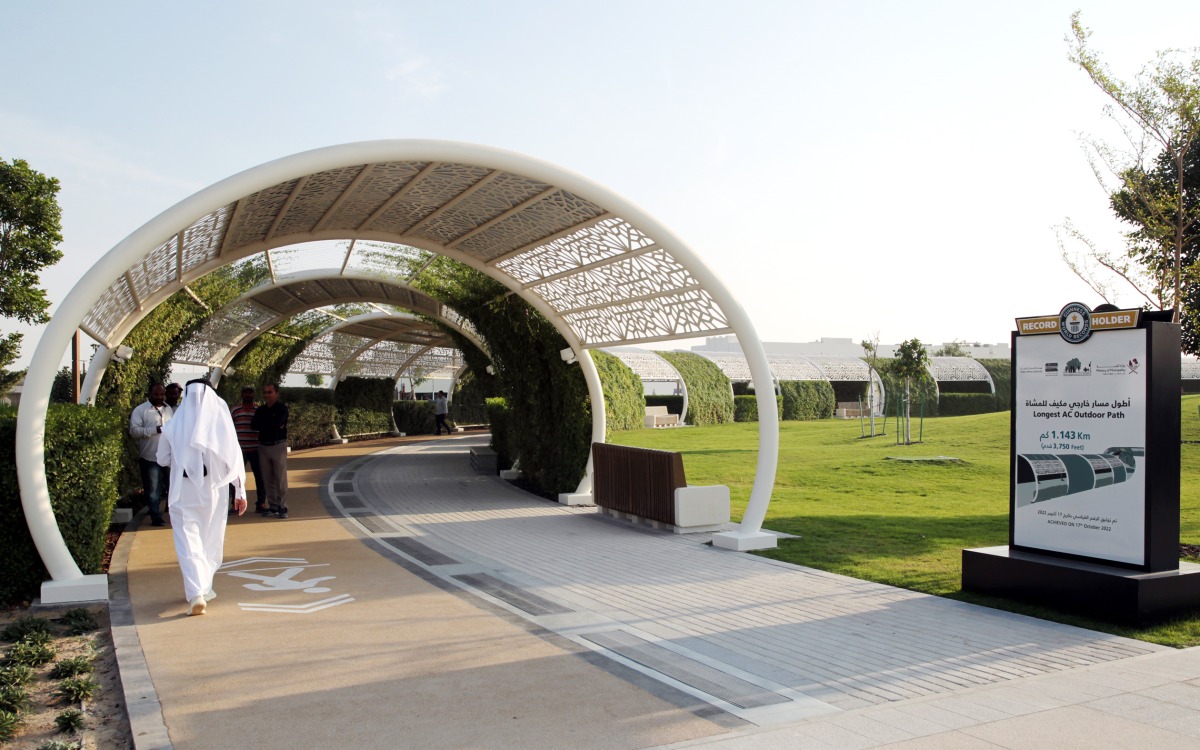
{"x":27,"y":136}
{"x":416,"y":76}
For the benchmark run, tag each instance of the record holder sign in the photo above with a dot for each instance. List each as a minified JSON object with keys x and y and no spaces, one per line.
{"x":1094,"y":468}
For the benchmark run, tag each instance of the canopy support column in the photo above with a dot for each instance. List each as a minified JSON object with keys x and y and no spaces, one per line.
{"x":95,"y":373}
{"x":583,"y":493}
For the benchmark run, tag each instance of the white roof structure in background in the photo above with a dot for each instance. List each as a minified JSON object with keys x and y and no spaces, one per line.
{"x":959,"y":370}
{"x":810,"y":367}
{"x":379,"y":345}
{"x":601,"y":270}
{"x":1189,"y":369}
{"x":646,"y":364}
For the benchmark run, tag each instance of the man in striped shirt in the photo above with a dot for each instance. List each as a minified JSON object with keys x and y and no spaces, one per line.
{"x":242,"y":415}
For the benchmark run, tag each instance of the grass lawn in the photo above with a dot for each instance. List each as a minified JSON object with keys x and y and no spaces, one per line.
{"x":903,"y":524}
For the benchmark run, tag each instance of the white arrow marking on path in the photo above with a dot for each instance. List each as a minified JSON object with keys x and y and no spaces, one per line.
{"x":245,"y":560}
{"x":301,"y":609}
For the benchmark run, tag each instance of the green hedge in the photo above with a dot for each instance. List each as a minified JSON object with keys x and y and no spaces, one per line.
{"x":924,"y":391}
{"x":414,"y":417}
{"x":498,"y":416}
{"x":310,"y":424}
{"x":958,"y":404}
{"x":1001,"y":372}
{"x":364,"y":406}
{"x":624,"y":394}
{"x":303,"y":395}
{"x":745,"y":408}
{"x":83,"y":457}
{"x":807,"y":399}
{"x":710,"y":397}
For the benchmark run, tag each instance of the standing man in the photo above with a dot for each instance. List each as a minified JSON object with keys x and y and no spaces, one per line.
{"x":201,"y":447}
{"x":146,"y":426}
{"x":243,"y":415}
{"x":441,"y":407}
{"x":174,"y":393}
{"x":270,"y":421}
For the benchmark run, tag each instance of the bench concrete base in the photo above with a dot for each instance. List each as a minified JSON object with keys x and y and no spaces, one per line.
{"x":576,"y":498}
{"x":122,"y":516}
{"x":93,"y":588}
{"x":744,"y":541}
{"x":484,"y":460}
{"x":701,"y":508}
{"x":338,"y":441}
{"x":510,"y":474}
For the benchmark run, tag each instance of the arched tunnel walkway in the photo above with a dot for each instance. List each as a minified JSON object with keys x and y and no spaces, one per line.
{"x":409,"y":594}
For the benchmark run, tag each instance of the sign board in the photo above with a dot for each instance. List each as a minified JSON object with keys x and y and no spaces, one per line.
{"x":1083,"y":386}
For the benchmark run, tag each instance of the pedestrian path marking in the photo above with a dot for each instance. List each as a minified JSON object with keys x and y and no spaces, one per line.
{"x":283,"y":577}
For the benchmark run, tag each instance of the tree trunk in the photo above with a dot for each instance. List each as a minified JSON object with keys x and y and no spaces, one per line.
{"x":907,"y":415}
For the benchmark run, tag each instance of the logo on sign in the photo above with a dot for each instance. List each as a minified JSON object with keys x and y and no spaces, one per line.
{"x":1075,"y":323}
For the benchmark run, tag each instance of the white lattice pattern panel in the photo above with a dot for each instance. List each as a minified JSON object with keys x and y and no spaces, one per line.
{"x":1190,"y":370}
{"x":647,"y":365}
{"x":499,"y":194}
{"x":734,"y":366}
{"x":793,"y":368}
{"x":638,"y":276}
{"x":675,"y":315}
{"x":850,"y":369}
{"x":552,"y":215}
{"x":610,"y":238}
{"x":957,"y":370}
{"x":425,"y":195}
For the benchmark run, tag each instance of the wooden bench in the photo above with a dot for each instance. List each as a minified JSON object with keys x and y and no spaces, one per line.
{"x":657,"y":416}
{"x":484,"y":460}
{"x":647,"y":484}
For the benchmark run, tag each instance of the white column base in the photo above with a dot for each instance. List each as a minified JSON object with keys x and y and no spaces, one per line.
{"x":93,"y":588}
{"x":743,"y":541}
{"x":510,"y":474}
{"x":576,"y":498}
{"x":334,"y":441}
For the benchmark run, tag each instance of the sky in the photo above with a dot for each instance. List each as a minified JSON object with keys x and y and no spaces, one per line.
{"x":848,"y":169}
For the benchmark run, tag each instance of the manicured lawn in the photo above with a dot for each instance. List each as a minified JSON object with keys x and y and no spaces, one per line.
{"x":904,"y":524}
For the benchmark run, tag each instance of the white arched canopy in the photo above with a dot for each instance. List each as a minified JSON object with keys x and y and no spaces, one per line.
{"x":601,"y":270}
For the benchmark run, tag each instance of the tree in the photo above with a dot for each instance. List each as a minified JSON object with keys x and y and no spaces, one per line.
{"x":30,"y":231}
{"x":952,"y":349}
{"x":314,"y":379}
{"x":870,"y":347}
{"x":911,"y":361}
{"x":1158,"y":113}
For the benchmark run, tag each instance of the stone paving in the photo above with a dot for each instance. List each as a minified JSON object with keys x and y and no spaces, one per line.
{"x":857,"y":664}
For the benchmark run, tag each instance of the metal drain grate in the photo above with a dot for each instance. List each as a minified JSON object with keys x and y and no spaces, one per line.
{"x":351,"y":501}
{"x":704,"y":678}
{"x":506,"y":592}
{"x":343,"y":486}
{"x":422,"y":552}
{"x":375,"y":524}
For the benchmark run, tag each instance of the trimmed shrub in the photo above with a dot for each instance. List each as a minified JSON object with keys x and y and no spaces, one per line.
{"x":310,"y":424}
{"x":83,"y":456}
{"x":498,"y":417}
{"x":1001,"y":372}
{"x":414,"y":417}
{"x":710,"y":398}
{"x":745,"y":408}
{"x":807,"y":399}
{"x":364,"y":407}
{"x":302,"y":395}
{"x":958,"y":404}
{"x":624,"y":394}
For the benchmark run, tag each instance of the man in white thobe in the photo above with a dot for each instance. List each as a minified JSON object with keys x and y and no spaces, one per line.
{"x":200,"y":445}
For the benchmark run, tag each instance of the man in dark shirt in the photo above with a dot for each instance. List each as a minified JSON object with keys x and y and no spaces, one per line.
{"x":270,"y":421}
{"x":243,"y":415}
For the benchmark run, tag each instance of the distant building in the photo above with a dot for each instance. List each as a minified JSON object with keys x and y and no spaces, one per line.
{"x":843,"y":348}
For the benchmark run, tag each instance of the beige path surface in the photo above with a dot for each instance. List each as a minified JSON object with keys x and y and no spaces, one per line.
{"x":404,"y":663}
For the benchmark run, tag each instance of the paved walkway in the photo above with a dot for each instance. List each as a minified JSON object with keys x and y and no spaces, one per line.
{"x":420,"y":602}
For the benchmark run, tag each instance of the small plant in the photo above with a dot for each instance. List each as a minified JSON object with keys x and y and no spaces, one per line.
{"x":76,"y":689}
{"x":37,"y":638}
{"x":16,"y":674}
{"x":13,"y":698}
{"x":60,"y":745}
{"x":9,"y":722}
{"x":30,"y":654}
{"x":70,"y":720}
{"x":72,"y":667}
{"x":79,"y":621}
{"x":20,"y":628}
